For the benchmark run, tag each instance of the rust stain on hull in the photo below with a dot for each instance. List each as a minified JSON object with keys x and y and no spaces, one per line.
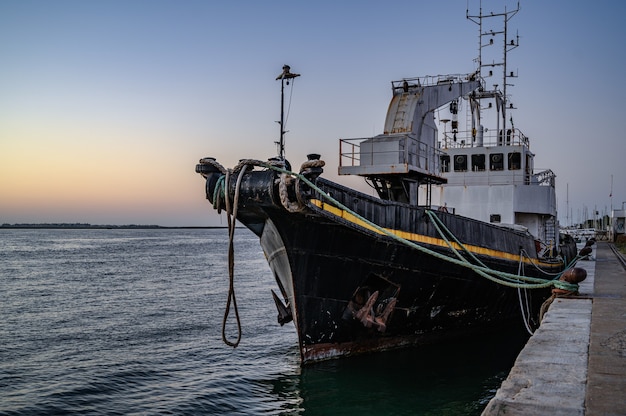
{"x":327,"y":351}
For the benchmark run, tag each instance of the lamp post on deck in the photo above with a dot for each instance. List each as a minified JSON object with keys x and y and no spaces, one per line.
{"x":286,"y":75}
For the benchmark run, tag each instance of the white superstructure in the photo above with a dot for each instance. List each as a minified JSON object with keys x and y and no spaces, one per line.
{"x":498,"y":184}
{"x":450,"y":143}
{"x":490,"y":170}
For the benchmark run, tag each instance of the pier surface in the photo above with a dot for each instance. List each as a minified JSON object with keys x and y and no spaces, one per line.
{"x":575,"y":363}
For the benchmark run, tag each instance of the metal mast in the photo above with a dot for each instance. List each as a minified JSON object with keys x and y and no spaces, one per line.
{"x":284,"y":78}
{"x":507,"y":46}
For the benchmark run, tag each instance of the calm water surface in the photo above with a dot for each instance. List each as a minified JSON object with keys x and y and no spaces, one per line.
{"x":129,"y":322}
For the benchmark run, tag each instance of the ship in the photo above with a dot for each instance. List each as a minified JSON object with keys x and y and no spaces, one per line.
{"x":459,"y":235}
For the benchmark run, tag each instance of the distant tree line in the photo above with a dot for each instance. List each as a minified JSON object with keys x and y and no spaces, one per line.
{"x":76,"y":225}
{"x":79,"y":225}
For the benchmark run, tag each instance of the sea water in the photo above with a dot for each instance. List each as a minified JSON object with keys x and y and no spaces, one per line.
{"x":114,"y":321}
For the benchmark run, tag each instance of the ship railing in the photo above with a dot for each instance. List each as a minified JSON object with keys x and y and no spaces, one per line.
{"x":350,"y":152}
{"x":501,"y":177}
{"x":387,"y":152}
{"x":430,"y":80}
{"x":491,"y":138}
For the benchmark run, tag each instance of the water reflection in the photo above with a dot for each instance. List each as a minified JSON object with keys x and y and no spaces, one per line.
{"x":458,"y":378}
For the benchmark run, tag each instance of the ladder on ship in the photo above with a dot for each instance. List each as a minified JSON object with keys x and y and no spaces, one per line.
{"x":551,"y":231}
{"x":400,"y":116}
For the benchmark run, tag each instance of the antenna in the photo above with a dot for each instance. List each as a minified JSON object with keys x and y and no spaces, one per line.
{"x":284,"y":78}
{"x":508,"y":45}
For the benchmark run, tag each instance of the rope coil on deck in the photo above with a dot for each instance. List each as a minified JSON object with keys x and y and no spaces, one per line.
{"x":285,"y":181}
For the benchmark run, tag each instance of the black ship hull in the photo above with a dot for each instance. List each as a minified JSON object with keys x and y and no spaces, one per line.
{"x":351,"y":289}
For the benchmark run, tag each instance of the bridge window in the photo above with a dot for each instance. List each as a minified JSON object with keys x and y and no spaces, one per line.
{"x":460,"y":163}
{"x":445,"y":163}
{"x":496,"y":161}
{"x":478,"y":162}
{"x":515,"y":161}
{"x":496,"y":218}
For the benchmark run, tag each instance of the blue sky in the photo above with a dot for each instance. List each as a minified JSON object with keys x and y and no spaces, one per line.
{"x":106,"y":106}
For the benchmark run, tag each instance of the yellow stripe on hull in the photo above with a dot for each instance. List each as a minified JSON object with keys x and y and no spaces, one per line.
{"x":419,"y":238}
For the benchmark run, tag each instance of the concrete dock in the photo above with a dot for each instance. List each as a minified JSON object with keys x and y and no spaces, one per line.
{"x":575,"y":362}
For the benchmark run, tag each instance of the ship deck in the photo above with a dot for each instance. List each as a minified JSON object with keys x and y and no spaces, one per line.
{"x":575,"y":363}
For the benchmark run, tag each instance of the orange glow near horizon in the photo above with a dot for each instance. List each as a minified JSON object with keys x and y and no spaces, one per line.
{"x":47,"y":175}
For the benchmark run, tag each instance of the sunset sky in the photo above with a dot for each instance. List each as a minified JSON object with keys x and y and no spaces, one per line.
{"x":106,"y":106}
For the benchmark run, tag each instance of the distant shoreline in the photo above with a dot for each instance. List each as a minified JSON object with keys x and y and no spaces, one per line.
{"x":81,"y":226}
